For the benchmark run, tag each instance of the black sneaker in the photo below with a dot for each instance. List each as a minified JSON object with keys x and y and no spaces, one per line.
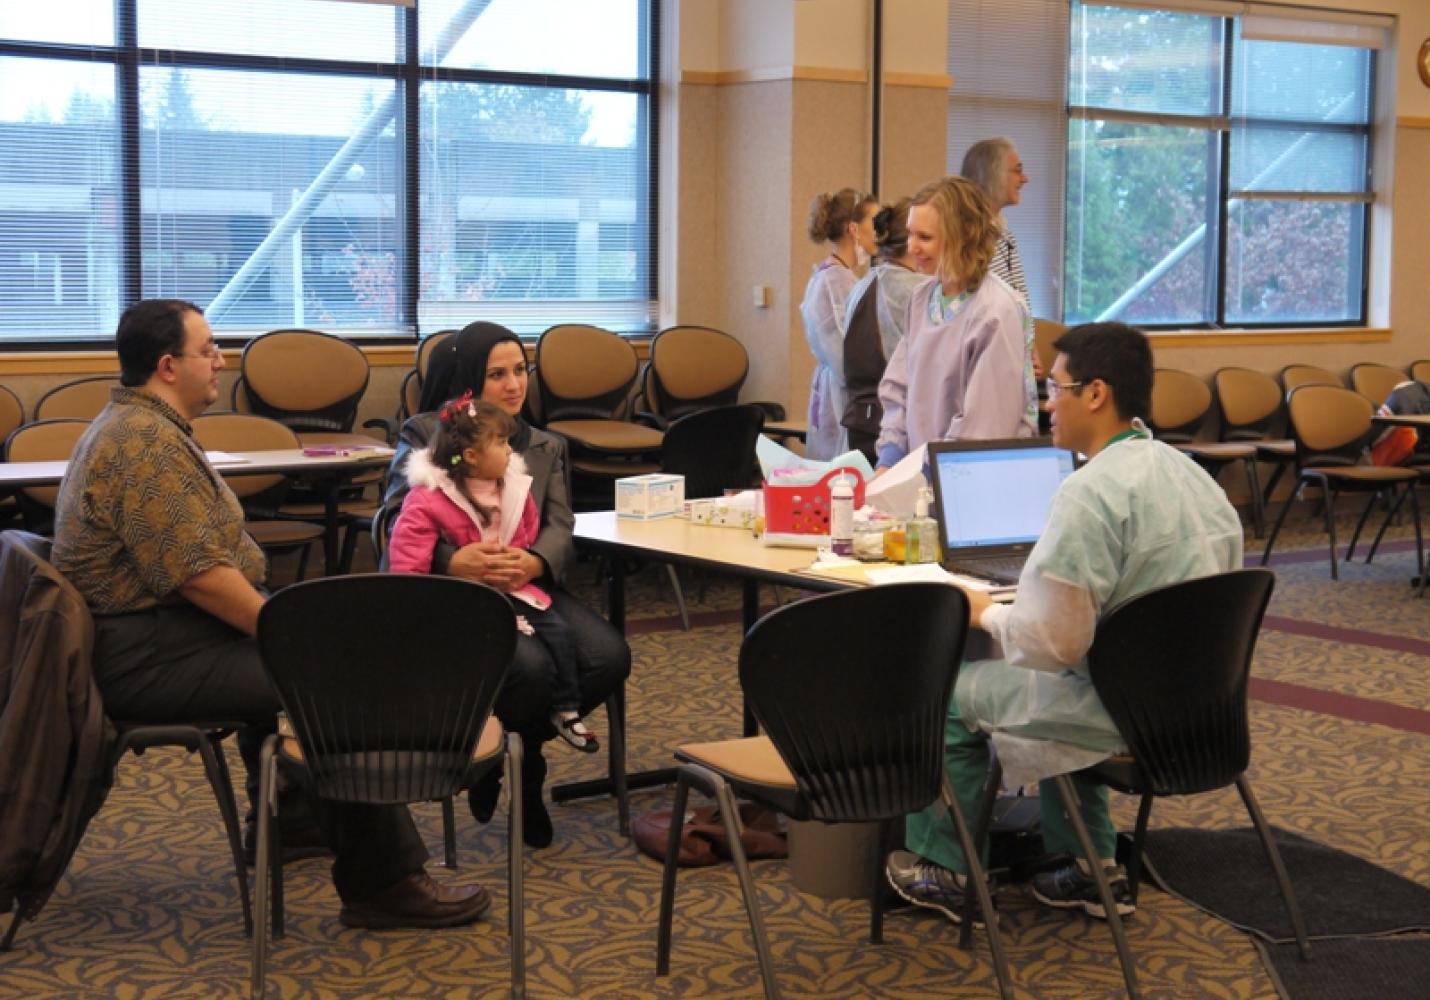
{"x":1070,"y":888}
{"x":926,"y":884}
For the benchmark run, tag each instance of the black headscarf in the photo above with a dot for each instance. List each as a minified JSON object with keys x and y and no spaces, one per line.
{"x":460,"y":364}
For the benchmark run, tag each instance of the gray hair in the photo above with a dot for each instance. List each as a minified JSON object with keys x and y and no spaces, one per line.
{"x":985,"y":164}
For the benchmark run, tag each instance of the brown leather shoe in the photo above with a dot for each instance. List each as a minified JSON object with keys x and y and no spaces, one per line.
{"x":417,"y":901}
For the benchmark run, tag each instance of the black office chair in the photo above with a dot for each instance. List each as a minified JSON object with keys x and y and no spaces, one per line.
{"x":374,"y":723}
{"x":714,"y":450}
{"x":1171,"y":666}
{"x":856,"y":719}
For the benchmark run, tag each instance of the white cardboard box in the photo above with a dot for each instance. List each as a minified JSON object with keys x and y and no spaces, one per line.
{"x":650,"y":496}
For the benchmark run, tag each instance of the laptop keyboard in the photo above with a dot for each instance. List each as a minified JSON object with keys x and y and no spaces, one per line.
{"x":1004,"y":570}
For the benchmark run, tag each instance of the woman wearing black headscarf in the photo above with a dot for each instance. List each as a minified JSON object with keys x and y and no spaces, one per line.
{"x":490,"y":361}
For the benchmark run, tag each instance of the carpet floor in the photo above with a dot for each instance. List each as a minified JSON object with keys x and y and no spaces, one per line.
{"x":1340,"y":756}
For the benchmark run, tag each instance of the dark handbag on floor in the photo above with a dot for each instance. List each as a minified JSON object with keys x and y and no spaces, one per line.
{"x":702,"y":836}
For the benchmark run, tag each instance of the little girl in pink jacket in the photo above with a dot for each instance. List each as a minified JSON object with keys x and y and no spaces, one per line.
{"x":469,"y":487}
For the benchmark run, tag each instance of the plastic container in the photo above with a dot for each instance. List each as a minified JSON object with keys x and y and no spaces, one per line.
{"x":799,"y":515}
{"x":841,"y":517}
{"x":921,"y":532}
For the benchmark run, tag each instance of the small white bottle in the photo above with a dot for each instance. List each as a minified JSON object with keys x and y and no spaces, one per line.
{"x":841,"y":517}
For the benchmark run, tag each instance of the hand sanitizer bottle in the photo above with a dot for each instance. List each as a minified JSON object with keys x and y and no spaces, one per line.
{"x":922,"y":532}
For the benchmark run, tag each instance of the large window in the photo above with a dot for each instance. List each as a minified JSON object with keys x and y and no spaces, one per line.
{"x":361,"y":168}
{"x":1218,"y":167}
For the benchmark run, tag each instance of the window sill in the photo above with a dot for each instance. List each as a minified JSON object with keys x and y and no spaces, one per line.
{"x":1270,"y":338}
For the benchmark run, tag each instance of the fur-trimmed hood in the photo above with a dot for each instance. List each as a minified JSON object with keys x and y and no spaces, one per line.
{"x":422,"y":472}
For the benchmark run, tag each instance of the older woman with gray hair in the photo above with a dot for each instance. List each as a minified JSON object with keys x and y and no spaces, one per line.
{"x":995,"y":166}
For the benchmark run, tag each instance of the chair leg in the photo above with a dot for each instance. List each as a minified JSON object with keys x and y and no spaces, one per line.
{"x":267,"y":807}
{"x":16,"y":919}
{"x":210,"y":750}
{"x":303,"y":554}
{"x":1068,"y":793}
{"x":1360,"y":523}
{"x":1258,"y":506}
{"x":616,"y":757}
{"x":679,"y":596}
{"x":516,"y":891}
{"x":980,"y":837}
{"x":730,"y":814}
{"x":1274,"y":856}
{"x":883,"y":845}
{"x":1139,"y":837}
{"x":1280,"y":520}
{"x":1419,"y":538}
{"x":1277,"y":470}
{"x":668,"y":873}
{"x":1328,"y":502}
{"x":714,"y":786}
{"x":449,"y":834}
{"x":1383,"y":525}
{"x":350,"y":537}
{"x":979,"y":882}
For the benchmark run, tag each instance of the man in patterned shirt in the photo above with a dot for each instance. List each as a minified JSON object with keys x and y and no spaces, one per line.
{"x":153,"y":538}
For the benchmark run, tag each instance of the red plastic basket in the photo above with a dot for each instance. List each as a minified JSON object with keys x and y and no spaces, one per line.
{"x":804,"y":510}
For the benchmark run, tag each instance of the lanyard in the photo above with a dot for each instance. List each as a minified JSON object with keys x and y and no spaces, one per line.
{"x":1123,"y":436}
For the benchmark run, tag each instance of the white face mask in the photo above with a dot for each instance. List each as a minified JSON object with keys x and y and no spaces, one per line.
{"x":861,"y":256}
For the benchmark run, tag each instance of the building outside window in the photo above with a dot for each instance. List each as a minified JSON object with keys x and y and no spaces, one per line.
{"x":1219,"y":170}
{"x":361,"y":168}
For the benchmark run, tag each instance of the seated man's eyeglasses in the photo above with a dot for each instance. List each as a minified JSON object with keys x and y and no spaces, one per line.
{"x":1056,"y":388}
{"x":209,"y":353}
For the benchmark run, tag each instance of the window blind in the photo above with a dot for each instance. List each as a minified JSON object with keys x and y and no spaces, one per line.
{"x":1022,"y":98}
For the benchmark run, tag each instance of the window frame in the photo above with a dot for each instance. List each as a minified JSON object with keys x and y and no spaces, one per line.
{"x":408,"y":74}
{"x":1220,"y":192}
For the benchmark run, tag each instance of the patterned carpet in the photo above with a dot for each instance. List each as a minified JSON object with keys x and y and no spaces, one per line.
{"x":147,"y":909}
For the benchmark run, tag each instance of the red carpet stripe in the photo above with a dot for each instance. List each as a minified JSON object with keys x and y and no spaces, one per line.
{"x":1351,"y":636}
{"x":1341,"y":706}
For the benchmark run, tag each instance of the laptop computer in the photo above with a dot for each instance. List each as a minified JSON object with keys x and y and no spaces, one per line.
{"x":991,"y":501}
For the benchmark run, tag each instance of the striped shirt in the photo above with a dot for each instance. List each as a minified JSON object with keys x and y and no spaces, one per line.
{"x":1009,"y":266}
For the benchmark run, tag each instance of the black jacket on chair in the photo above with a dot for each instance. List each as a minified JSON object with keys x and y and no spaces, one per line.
{"x":56,"y":745}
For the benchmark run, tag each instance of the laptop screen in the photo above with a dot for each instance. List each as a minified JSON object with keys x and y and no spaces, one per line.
{"x":995,"y":495}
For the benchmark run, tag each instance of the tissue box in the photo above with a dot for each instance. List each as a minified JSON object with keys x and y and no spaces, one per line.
{"x":719,"y":513}
{"x":650,"y":496}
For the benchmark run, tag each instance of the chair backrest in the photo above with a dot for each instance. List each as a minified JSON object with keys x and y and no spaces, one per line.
{"x":1298,"y":375}
{"x":1045,"y":331}
{"x":81,"y":399}
{"x":1250,"y":403}
{"x":853,"y":689}
{"x":1420,"y":370}
{"x":387,"y":679}
{"x":1180,"y":400}
{"x":310,"y":381}
{"x":1376,"y":382}
{"x":1171,"y":667}
{"x":42,"y":441}
{"x":713,"y":449}
{"x":223,"y":431}
{"x":1331,"y":424}
{"x":693,"y":368}
{"x":12,"y":412}
{"x":586,"y":372}
{"x":424,"y":352}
